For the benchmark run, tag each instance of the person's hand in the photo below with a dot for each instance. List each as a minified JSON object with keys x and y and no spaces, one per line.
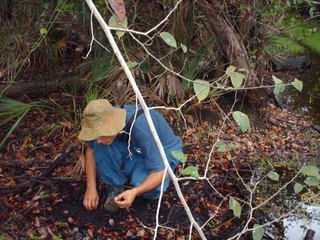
{"x":125,"y":199}
{"x":91,"y":199}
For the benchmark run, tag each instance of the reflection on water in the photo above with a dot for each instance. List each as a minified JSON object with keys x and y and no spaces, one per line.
{"x":308,"y":100}
{"x":296,"y":226}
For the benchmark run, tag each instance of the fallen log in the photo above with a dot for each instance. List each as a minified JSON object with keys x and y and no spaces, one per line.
{"x":32,"y":184}
{"x":38,"y":89}
{"x":15,"y":163}
{"x":288,"y":64}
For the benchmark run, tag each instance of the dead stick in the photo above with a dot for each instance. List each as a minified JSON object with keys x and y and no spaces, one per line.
{"x":309,"y":234}
{"x":56,"y":163}
{"x":26,"y":185}
{"x":47,"y":178}
{"x":24,"y":162}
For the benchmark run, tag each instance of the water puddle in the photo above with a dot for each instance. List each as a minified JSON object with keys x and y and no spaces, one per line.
{"x":307,"y":101}
{"x":297,"y":225}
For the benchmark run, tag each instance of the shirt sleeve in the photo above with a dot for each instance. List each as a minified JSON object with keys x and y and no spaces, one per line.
{"x":91,"y":144}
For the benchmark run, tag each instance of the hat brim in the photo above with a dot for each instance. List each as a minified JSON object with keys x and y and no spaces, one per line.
{"x":110,"y":126}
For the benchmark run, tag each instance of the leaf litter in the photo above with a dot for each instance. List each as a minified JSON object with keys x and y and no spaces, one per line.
{"x":55,"y":209}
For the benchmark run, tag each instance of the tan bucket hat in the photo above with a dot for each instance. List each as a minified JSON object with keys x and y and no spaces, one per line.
{"x":100,"y":118}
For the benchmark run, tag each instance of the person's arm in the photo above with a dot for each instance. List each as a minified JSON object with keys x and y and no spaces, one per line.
{"x":91,"y":197}
{"x":126,"y":198}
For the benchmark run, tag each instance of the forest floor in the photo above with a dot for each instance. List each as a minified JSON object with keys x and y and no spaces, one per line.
{"x":42,"y":187}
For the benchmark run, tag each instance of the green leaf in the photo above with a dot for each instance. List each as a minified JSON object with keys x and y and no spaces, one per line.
{"x":276,"y":80}
{"x":219,"y":85}
{"x":221,"y":147}
{"x":43,"y":31}
{"x":242,"y":120}
{"x":297,"y":84}
{"x":258,"y":232}
{"x":132,"y":64}
{"x":46,"y":5}
{"x":312,"y":181}
{"x":273,"y":176}
{"x":201,"y":89}
{"x":279,"y":85}
{"x":237,"y":79}
{"x":169,"y":39}
{"x":184,"y":48}
{"x":113,"y":22}
{"x":179,"y":155}
{"x":235,"y":206}
{"x":297,"y":188}
{"x":57,"y":237}
{"x":230,"y":70}
{"x":310,"y":170}
{"x":232,"y":146}
{"x":191,"y":171}
{"x":43,"y":196}
{"x":279,"y":88}
{"x":60,"y":5}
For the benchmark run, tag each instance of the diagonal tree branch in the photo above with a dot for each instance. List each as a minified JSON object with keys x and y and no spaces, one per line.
{"x":127,"y":71}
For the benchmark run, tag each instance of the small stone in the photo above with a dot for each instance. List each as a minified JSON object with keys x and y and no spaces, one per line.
{"x":70,"y":220}
{"x":111,"y":222}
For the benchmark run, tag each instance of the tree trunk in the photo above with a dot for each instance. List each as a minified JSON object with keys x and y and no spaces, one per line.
{"x":231,"y":44}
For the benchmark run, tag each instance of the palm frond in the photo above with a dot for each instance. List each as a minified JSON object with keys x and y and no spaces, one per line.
{"x":12,"y":109}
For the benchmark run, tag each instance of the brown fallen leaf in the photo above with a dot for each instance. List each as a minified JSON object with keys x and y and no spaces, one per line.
{"x":170,"y":235}
{"x":70,"y":220}
{"x":141,"y":233}
{"x":118,"y":8}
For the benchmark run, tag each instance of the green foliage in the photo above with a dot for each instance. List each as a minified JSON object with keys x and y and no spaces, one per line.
{"x":32,"y":236}
{"x":184,"y":48}
{"x":297,"y":188}
{"x":132,"y":64}
{"x":168,"y":39}
{"x":179,"y":155}
{"x":91,"y":94}
{"x":304,"y":6}
{"x":44,"y":196}
{"x":57,"y":237}
{"x":297,"y":36}
{"x":279,"y":85}
{"x":273,"y":176}
{"x":237,"y":78}
{"x":191,"y":69}
{"x":242,"y":120}
{"x":113,"y":22}
{"x":101,"y":66}
{"x":297,"y":84}
{"x":312,"y":181}
{"x":310,"y":170}
{"x":191,"y":171}
{"x":201,"y":89}
{"x":12,"y":109}
{"x":235,"y":206}
{"x":312,"y":178}
{"x":221,"y":147}
{"x":258,"y":232}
